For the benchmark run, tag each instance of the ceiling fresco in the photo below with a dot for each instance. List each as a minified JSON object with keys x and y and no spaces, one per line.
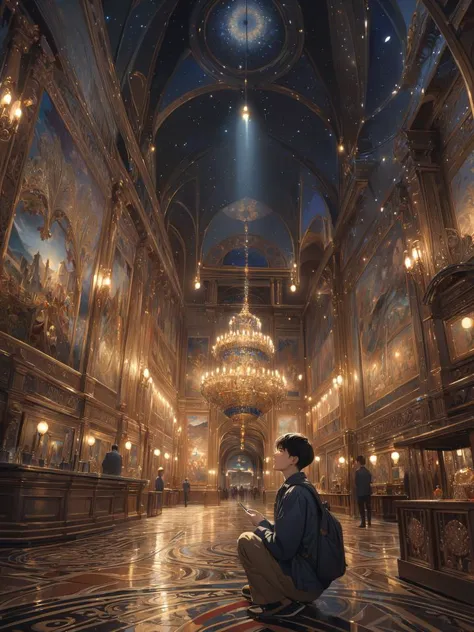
{"x":320,"y":76}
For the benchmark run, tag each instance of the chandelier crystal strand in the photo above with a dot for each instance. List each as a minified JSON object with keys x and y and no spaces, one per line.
{"x":243,"y":386}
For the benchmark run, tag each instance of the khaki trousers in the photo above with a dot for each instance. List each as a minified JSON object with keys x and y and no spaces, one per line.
{"x":268,"y":583}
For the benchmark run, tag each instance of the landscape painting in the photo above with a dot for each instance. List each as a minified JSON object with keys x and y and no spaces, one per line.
{"x":287,"y":424}
{"x":385,"y":329}
{"x":289,"y":363}
{"x":462,"y":189}
{"x":46,"y":291}
{"x":198,"y":435}
{"x":113,"y":324}
{"x":196,"y":364}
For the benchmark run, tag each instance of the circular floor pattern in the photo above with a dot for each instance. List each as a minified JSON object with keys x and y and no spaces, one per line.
{"x":220,"y":608}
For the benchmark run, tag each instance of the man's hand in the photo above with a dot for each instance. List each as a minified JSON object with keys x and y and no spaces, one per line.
{"x":255,"y":516}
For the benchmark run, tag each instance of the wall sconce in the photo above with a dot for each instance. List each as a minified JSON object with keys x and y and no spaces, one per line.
{"x":300,"y":377}
{"x":146,"y":379}
{"x":373,"y":459}
{"x":267,"y":472}
{"x":90,"y":441}
{"x":467,"y":322}
{"x":267,"y":459}
{"x":10,"y":112}
{"x":212,"y":472}
{"x":128,"y":445}
{"x":167,"y":456}
{"x":414,"y":263}
{"x":179,"y":430}
{"x":342,"y":460}
{"x":175,"y":458}
{"x":42,"y":428}
{"x":156,"y":452}
{"x":395,"y":457}
{"x":317,"y":459}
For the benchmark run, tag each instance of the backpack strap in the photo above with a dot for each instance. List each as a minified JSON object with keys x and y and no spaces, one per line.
{"x":323,"y":527}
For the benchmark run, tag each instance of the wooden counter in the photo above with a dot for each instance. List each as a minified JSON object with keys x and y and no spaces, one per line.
{"x":437,"y":546}
{"x":383,"y":506}
{"x":40,"y":504}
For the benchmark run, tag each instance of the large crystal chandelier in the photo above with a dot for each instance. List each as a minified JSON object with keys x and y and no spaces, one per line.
{"x":244,"y":386}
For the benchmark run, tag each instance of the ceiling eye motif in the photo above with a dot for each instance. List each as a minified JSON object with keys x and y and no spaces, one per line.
{"x":267,"y":36}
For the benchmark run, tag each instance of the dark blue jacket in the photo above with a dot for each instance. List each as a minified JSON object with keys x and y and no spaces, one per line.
{"x":159,"y":484}
{"x":296,"y":527}
{"x":112,"y":463}
{"x":363,"y":482}
{"x":186,"y":487}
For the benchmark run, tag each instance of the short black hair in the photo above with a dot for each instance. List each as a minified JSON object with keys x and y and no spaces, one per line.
{"x":361,"y":459}
{"x":297,"y":445}
{"x":115,"y":447}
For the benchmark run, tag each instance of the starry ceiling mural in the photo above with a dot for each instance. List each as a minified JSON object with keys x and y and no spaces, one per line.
{"x":317,"y":75}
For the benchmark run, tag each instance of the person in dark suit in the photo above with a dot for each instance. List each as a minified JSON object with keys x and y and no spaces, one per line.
{"x":159,"y":482}
{"x":186,"y":490}
{"x":112,"y":463}
{"x":363,"y":485}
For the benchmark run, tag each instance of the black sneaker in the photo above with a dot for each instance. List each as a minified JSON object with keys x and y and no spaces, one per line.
{"x":276,"y":610}
{"x":362,"y":526}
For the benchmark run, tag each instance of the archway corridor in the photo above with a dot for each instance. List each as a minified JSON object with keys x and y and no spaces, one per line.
{"x":180,"y":572}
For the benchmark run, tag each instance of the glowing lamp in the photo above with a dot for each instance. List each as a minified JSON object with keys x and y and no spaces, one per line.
{"x":146,"y":374}
{"x":342,"y":460}
{"x":339,"y":379}
{"x":373,"y":459}
{"x":197,"y":285}
{"x":167,"y":456}
{"x":300,"y":377}
{"x":17,"y":112}
{"x":408,"y":263}
{"x":90,"y":441}
{"x":42,"y":428}
{"x":467,"y":323}
{"x":7,"y":98}
{"x":395,"y":457}
{"x":128,"y":445}
{"x":156,"y":452}
{"x":293,"y":287}
{"x":317,"y":459}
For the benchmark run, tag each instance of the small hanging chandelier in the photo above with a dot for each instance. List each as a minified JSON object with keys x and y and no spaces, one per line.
{"x":243,"y":386}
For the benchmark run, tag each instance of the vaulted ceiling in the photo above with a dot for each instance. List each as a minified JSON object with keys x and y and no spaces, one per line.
{"x":324,"y":84}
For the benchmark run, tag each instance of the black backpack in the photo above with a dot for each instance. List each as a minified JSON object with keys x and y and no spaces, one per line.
{"x":326,"y":555}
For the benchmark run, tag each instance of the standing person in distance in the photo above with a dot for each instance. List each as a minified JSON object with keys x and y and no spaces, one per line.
{"x":363,"y":485}
{"x":159,"y":482}
{"x":186,"y":490}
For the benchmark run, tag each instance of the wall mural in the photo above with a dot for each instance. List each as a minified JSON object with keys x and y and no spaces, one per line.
{"x":196,"y":364}
{"x":462,"y":189}
{"x":385,"y":330}
{"x":113,"y":323}
{"x":53,"y":245}
{"x":198,"y":433}
{"x":460,"y":335}
{"x":289,"y":363}
{"x":286,"y":424}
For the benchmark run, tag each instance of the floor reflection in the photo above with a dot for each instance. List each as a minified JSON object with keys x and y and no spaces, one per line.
{"x":179,"y":572}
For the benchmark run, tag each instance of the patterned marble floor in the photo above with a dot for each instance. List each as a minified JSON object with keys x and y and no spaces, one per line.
{"x":179,"y":572}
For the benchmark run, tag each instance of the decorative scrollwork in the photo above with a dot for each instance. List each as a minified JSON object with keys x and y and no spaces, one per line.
{"x":456,"y":538}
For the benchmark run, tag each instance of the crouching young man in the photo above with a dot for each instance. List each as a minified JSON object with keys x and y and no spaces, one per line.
{"x":281,"y":579}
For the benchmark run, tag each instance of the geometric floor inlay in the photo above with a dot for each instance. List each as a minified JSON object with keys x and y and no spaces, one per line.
{"x":179,"y":572}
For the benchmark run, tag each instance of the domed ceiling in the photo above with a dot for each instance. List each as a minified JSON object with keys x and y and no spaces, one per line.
{"x":318,"y":75}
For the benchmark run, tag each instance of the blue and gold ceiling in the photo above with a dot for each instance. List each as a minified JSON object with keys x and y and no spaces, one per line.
{"x":320,"y":73}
